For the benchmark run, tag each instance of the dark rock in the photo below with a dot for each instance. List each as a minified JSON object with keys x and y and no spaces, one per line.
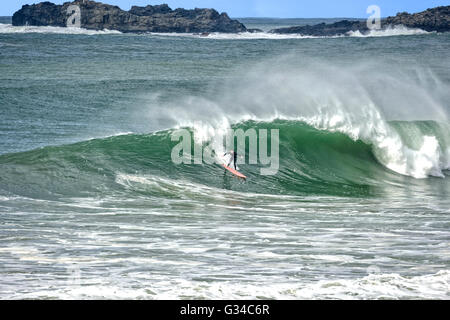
{"x":323,"y":29}
{"x":99,"y":16}
{"x":150,"y":10}
{"x":43,"y":14}
{"x":436,"y":19}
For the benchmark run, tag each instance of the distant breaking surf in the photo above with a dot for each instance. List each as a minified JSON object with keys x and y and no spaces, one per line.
{"x":389,"y":32}
{"x":397,"y":31}
{"x":8,"y":28}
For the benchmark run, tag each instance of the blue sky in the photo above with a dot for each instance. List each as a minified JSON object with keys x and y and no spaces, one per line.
{"x":268,"y":8}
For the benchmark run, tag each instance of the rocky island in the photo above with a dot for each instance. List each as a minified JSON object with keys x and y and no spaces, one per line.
{"x":99,"y":16}
{"x":436,"y":19}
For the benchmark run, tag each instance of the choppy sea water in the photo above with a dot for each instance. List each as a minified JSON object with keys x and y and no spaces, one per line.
{"x":91,"y":205}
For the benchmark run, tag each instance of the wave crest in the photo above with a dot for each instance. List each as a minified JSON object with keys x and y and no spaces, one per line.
{"x":8,"y":29}
{"x":389,"y":32}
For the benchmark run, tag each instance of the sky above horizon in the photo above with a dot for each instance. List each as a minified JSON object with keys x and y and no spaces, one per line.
{"x":267,"y":8}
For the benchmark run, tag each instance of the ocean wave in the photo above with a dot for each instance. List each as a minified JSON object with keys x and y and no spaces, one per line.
{"x":236,"y":36}
{"x":389,"y":32}
{"x":336,"y":137}
{"x":357,"y":101}
{"x":312,"y":162}
{"x":395,"y":31}
{"x":10,"y":29}
{"x":372,"y":286}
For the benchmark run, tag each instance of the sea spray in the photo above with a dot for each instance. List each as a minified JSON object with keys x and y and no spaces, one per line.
{"x":9,"y":29}
{"x":358,"y":100}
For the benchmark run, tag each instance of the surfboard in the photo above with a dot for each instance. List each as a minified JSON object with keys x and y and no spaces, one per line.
{"x":236,"y":173}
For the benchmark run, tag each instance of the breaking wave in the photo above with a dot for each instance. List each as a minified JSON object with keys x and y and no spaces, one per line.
{"x":396,"y":31}
{"x":389,"y":32}
{"x":8,"y":28}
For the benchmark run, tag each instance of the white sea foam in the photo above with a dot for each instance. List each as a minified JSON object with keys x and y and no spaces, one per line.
{"x":388,"y":146}
{"x":372,"y":286}
{"x":255,"y":36}
{"x":158,"y":184}
{"x":372,"y":128}
{"x":233,"y":36}
{"x":395,"y":31}
{"x":388,"y":32}
{"x":8,"y":28}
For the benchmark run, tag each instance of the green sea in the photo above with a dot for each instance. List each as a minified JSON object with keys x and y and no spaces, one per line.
{"x":93,"y":207}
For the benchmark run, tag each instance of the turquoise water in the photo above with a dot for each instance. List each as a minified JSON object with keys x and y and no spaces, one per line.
{"x":91,"y":205}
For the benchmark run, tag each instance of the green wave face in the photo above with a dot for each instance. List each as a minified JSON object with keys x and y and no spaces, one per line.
{"x":312,"y":162}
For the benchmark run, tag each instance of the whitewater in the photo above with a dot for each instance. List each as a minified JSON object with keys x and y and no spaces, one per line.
{"x":92,"y":206}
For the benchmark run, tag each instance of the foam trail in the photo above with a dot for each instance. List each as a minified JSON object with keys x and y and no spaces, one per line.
{"x":8,"y":29}
{"x":374,"y":286}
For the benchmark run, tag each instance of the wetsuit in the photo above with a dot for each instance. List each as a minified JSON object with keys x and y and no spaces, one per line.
{"x":234,"y":158}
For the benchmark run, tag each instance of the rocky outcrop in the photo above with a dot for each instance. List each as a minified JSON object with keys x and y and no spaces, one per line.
{"x":150,"y":10}
{"x":436,"y":19}
{"x":99,"y":16}
{"x":324,"y":30}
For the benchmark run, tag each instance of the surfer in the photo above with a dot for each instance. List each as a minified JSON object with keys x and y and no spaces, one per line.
{"x":233,"y":158}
